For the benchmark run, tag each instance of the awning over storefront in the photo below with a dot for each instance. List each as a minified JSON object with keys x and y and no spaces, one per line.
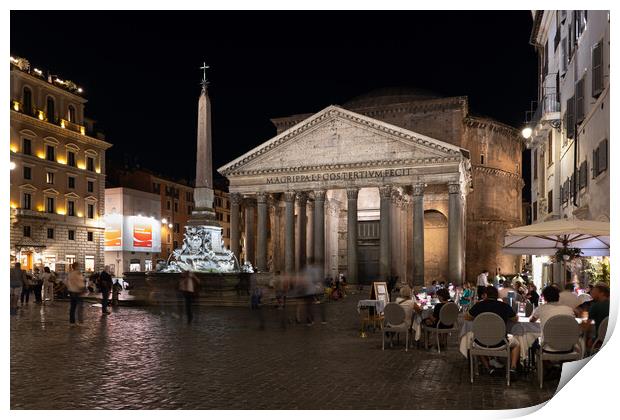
{"x":28,"y":243}
{"x":547,"y":237}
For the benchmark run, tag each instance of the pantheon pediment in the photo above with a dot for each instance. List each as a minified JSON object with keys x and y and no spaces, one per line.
{"x":338,"y":138}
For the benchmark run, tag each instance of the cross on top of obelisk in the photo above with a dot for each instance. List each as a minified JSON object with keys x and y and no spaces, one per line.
{"x":204,"y":75}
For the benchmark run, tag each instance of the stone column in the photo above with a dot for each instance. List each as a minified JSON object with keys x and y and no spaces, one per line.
{"x":300,"y":231}
{"x":418,"y":235}
{"x":289,"y":233}
{"x":235,"y":202}
{"x":319,"y":231}
{"x":261,"y":246}
{"x":385,"y":255}
{"x":310,"y":234}
{"x":250,"y":250}
{"x":352,"y":194}
{"x":455,"y":234}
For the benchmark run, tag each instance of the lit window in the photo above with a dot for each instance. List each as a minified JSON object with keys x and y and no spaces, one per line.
{"x":27,"y":201}
{"x":49,"y":177}
{"x":50,"y":205}
{"x":89,"y":263}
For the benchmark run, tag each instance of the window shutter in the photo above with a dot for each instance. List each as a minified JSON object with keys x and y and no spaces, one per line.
{"x":583,"y":174}
{"x":580,"y":111}
{"x":602,"y":156}
{"x":570,"y":118}
{"x":570,"y":37}
{"x":595,"y":163}
{"x":597,"y":69}
{"x":565,"y":53}
{"x":550,"y":201}
{"x":571,"y":187}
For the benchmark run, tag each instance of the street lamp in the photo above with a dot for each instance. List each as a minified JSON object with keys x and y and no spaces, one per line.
{"x":11,"y":165}
{"x":164,"y":221}
{"x":526,"y":132}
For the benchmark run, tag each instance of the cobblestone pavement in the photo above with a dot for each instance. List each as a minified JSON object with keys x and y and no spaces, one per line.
{"x":138,"y":359}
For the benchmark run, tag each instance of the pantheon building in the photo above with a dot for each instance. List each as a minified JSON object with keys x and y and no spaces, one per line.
{"x":397,"y":182}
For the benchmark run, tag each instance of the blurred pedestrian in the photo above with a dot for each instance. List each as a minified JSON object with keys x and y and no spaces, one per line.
{"x":76,"y":285}
{"x":116,"y":290}
{"x":256,"y":305}
{"x":188,"y":286}
{"x":48,"y":284}
{"x":17,"y":280}
{"x":105,"y":286}
{"x":37,"y":285}
{"x":26,"y":288}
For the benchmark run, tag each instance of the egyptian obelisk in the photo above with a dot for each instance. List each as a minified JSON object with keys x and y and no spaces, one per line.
{"x":203,"y":213}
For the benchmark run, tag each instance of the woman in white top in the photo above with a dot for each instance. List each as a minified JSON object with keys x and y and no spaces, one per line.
{"x":551,"y":308}
{"x":407,"y":301}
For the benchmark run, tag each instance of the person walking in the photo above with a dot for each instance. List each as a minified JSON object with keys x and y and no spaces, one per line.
{"x":17,"y":280}
{"x":26,"y":288}
{"x":188,"y":286}
{"x":49,"y":281}
{"x":37,"y":285}
{"x":116,"y":290}
{"x":105,"y":286}
{"x":482,"y":283}
{"x":76,"y":287}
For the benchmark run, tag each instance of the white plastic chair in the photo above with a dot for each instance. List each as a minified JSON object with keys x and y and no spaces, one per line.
{"x":394,"y":322}
{"x":560,"y":333}
{"x":448,"y":315}
{"x":489,"y":329}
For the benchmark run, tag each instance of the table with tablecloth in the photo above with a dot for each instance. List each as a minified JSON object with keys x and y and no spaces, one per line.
{"x":524,"y":331}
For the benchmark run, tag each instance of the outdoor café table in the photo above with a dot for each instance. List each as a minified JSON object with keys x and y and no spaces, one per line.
{"x":374,"y":308}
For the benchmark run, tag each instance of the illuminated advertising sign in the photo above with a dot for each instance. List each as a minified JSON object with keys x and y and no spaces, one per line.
{"x":113,"y":235}
{"x":132,"y":233}
{"x":142,"y":235}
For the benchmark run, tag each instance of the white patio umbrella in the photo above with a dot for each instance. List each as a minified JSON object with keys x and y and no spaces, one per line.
{"x":547,"y":238}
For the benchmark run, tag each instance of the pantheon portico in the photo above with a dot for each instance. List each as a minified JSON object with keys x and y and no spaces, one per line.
{"x":351,"y":194}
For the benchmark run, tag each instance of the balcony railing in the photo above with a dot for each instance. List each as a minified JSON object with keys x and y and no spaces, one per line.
{"x":41,"y":115}
{"x":548,"y":109}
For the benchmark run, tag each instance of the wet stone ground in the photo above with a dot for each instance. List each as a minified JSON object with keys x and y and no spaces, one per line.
{"x":141,"y":359}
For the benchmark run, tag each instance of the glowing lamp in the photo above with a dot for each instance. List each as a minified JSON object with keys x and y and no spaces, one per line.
{"x":41,"y":155}
{"x":80,"y":214}
{"x":11,"y":165}
{"x":37,"y":71}
{"x":41,"y":115}
{"x":61,"y":212}
{"x":170,"y":225}
{"x":526,"y":132}
{"x":13,"y":205}
{"x":16,"y":106}
{"x":62,"y":123}
{"x":14,"y":149}
{"x":98,"y":170}
{"x":80,"y":90}
{"x":164,"y":220}
{"x":13,"y":59}
{"x":62,"y":161}
{"x":40,"y":208}
{"x":82,"y":130}
{"x":81,"y":165}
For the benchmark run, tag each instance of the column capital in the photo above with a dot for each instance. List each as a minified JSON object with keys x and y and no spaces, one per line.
{"x":454,"y":188}
{"x":319,"y":195}
{"x":385,"y":191}
{"x":289,"y":196}
{"x":418,"y":189}
{"x":352,"y":193}
{"x":235,"y":198}
{"x":301,"y":197}
{"x":261,"y":197}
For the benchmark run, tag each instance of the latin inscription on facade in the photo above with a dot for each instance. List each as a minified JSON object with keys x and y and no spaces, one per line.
{"x":339,"y":176}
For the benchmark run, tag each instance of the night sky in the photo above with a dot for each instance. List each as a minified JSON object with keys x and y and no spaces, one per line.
{"x":140,"y":70}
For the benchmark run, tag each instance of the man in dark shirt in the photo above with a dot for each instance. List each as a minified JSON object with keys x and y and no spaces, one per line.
{"x":599,"y":309}
{"x":105,"y":285}
{"x":490,"y":303}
